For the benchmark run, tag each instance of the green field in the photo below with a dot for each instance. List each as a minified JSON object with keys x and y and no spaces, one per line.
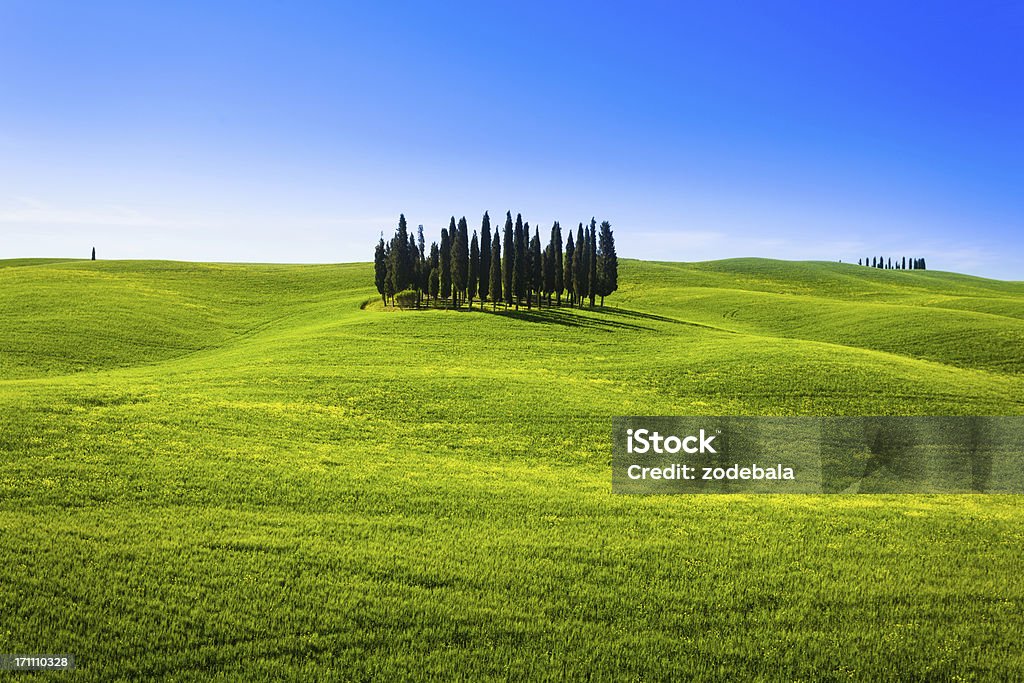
{"x":252,"y":472}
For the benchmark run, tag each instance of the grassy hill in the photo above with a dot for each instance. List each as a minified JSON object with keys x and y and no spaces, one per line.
{"x":247,"y":470}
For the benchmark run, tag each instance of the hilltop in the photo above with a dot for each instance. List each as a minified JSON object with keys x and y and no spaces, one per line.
{"x":936,"y":341}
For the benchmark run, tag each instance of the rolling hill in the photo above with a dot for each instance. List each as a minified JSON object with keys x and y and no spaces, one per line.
{"x":257,"y":471}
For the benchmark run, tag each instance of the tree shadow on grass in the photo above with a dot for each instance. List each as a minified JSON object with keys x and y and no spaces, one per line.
{"x":660,"y":318}
{"x":567,"y":317}
{"x":638,"y":314}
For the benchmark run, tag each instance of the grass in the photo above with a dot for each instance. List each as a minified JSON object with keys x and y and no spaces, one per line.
{"x":220,"y":471}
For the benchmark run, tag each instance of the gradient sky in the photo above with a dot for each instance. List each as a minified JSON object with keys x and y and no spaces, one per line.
{"x":297,"y":132}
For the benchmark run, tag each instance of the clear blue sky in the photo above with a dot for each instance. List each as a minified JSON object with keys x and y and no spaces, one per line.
{"x":259,"y":131}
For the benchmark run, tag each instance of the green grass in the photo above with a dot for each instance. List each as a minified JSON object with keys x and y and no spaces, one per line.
{"x":219,"y":471}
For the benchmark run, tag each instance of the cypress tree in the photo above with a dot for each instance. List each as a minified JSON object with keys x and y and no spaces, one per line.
{"x":527,"y":262}
{"x":556,"y":246}
{"x":415,"y":269}
{"x":453,"y":259}
{"x":607,"y":262}
{"x":579,"y":266}
{"x":570,"y":260}
{"x":380,"y":268}
{"x":890,"y":263}
{"x":518,"y":260}
{"x":421,"y":243}
{"x":393,"y":267}
{"x":460,"y":261}
{"x":474,"y":265}
{"x":94,"y":253}
{"x":537,"y":266}
{"x":548,"y":261}
{"x":425,"y":273}
{"x":485,"y":256}
{"x":446,"y":263}
{"x":495,"y":275}
{"x":508,"y":263}
{"x":433,"y":268}
{"x":434,"y":277}
{"x":924,"y":266}
{"x":592,"y":262}
{"x":389,"y":278}
{"x":400,"y":255}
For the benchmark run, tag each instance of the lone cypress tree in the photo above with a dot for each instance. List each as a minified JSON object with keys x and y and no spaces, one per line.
{"x":556,"y":258}
{"x":495,"y":275}
{"x":569,"y":269}
{"x":94,"y":251}
{"x":607,"y":262}
{"x":446,"y":263}
{"x":474,"y":265}
{"x":509,"y":262}
{"x":485,"y":257}
{"x":380,"y":268}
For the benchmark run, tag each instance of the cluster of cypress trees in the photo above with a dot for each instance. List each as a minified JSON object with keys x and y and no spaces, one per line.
{"x":460,"y":269}
{"x":881,"y":262}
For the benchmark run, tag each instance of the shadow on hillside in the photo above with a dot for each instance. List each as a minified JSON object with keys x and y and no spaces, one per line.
{"x":637,"y":314}
{"x":601,"y":317}
{"x":662,"y":319}
{"x":568,"y":317}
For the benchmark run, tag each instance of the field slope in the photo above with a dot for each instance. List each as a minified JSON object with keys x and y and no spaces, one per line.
{"x":255,"y":472}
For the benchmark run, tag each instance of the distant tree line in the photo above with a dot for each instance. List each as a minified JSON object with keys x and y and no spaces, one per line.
{"x":889,"y":264}
{"x":510,"y":269}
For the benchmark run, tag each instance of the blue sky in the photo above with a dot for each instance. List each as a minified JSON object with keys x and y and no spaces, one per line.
{"x":298,"y":131}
